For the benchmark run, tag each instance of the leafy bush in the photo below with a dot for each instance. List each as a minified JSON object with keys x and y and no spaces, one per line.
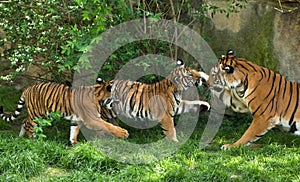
{"x":52,"y":34}
{"x":44,"y":122}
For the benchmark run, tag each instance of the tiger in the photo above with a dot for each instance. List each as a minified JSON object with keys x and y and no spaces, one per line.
{"x":82,"y":105}
{"x":159,"y":101}
{"x":268,"y":96}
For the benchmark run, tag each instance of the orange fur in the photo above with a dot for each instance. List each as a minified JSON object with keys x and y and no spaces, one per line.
{"x":160,"y":101}
{"x":83,"y":106}
{"x":268,"y":96}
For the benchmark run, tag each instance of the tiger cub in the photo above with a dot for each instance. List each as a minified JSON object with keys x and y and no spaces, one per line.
{"x":82,"y":105}
{"x":159,"y":101}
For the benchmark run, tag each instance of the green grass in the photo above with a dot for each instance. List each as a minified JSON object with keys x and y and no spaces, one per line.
{"x":52,"y":159}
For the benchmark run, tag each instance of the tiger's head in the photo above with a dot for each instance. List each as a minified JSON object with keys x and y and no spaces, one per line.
{"x":186,"y":77}
{"x":229,"y":73}
{"x":103,"y":96}
{"x":228,"y":81}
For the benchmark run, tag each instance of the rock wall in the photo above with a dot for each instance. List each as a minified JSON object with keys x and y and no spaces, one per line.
{"x":286,"y":44}
{"x":259,"y":33}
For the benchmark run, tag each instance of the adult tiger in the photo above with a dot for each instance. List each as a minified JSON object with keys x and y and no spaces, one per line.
{"x":82,"y":105}
{"x":271,"y":99}
{"x":160,"y":101}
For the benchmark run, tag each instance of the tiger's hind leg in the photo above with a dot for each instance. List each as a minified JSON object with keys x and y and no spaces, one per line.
{"x":74,"y":131}
{"x":22,"y":131}
{"x":256,"y":130}
{"x":167,"y":124}
{"x":107,"y":127}
{"x":27,"y":127}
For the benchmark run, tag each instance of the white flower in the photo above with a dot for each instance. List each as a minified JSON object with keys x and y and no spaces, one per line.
{"x":6,"y":77}
{"x":20,"y":69}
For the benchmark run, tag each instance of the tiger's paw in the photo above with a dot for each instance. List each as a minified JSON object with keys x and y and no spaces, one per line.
{"x":72,"y":143}
{"x":205,"y":106}
{"x":227,"y":147}
{"x":173,"y":139}
{"x":122,"y":133}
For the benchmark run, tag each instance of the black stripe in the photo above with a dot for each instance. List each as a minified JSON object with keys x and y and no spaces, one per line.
{"x":272,"y":87}
{"x":251,"y":101}
{"x":290,"y":98}
{"x":265,"y":108}
{"x":246,"y":84}
{"x":253,"y":91}
{"x":57,"y":97}
{"x":284,"y":90}
{"x":293,"y":127}
{"x":177,"y":101}
{"x":296,"y":106}
{"x":251,"y":65}
{"x":280,"y":80}
{"x":140,"y":110}
{"x":19,"y":109}
{"x":264,"y":72}
{"x":51,"y":96}
{"x":256,"y":110}
{"x":241,"y":65}
{"x":31,"y":102}
{"x":272,"y":101}
{"x":278,"y":91}
{"x":44,"y":94}
{"x":20,"y":102}
{"x":269,"y":74}
{"x":132,"y":101}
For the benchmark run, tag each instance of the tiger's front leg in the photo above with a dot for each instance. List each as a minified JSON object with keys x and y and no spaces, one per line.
{"x":100,"y":124}
{"x":256,"y":130}
{"x":187,"y":106}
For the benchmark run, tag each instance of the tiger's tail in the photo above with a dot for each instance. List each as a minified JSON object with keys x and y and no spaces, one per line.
{"x":17,"y":112}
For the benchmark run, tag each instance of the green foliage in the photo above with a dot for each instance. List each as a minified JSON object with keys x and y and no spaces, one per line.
{"x":52,"y":35}
{"x":44,"y":122}
{"x":233,"y":6}
{"x":52,"y":160}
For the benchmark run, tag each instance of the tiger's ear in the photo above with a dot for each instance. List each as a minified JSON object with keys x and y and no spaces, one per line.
{"x":179,"y":62}
{"x":99,"y":80}
{"x":228,"y":69}
{"x":109,"y":87}
{"x":230,"y":53}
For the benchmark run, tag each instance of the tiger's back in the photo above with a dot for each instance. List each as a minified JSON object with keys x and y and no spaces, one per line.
{"x":48,"y":97}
